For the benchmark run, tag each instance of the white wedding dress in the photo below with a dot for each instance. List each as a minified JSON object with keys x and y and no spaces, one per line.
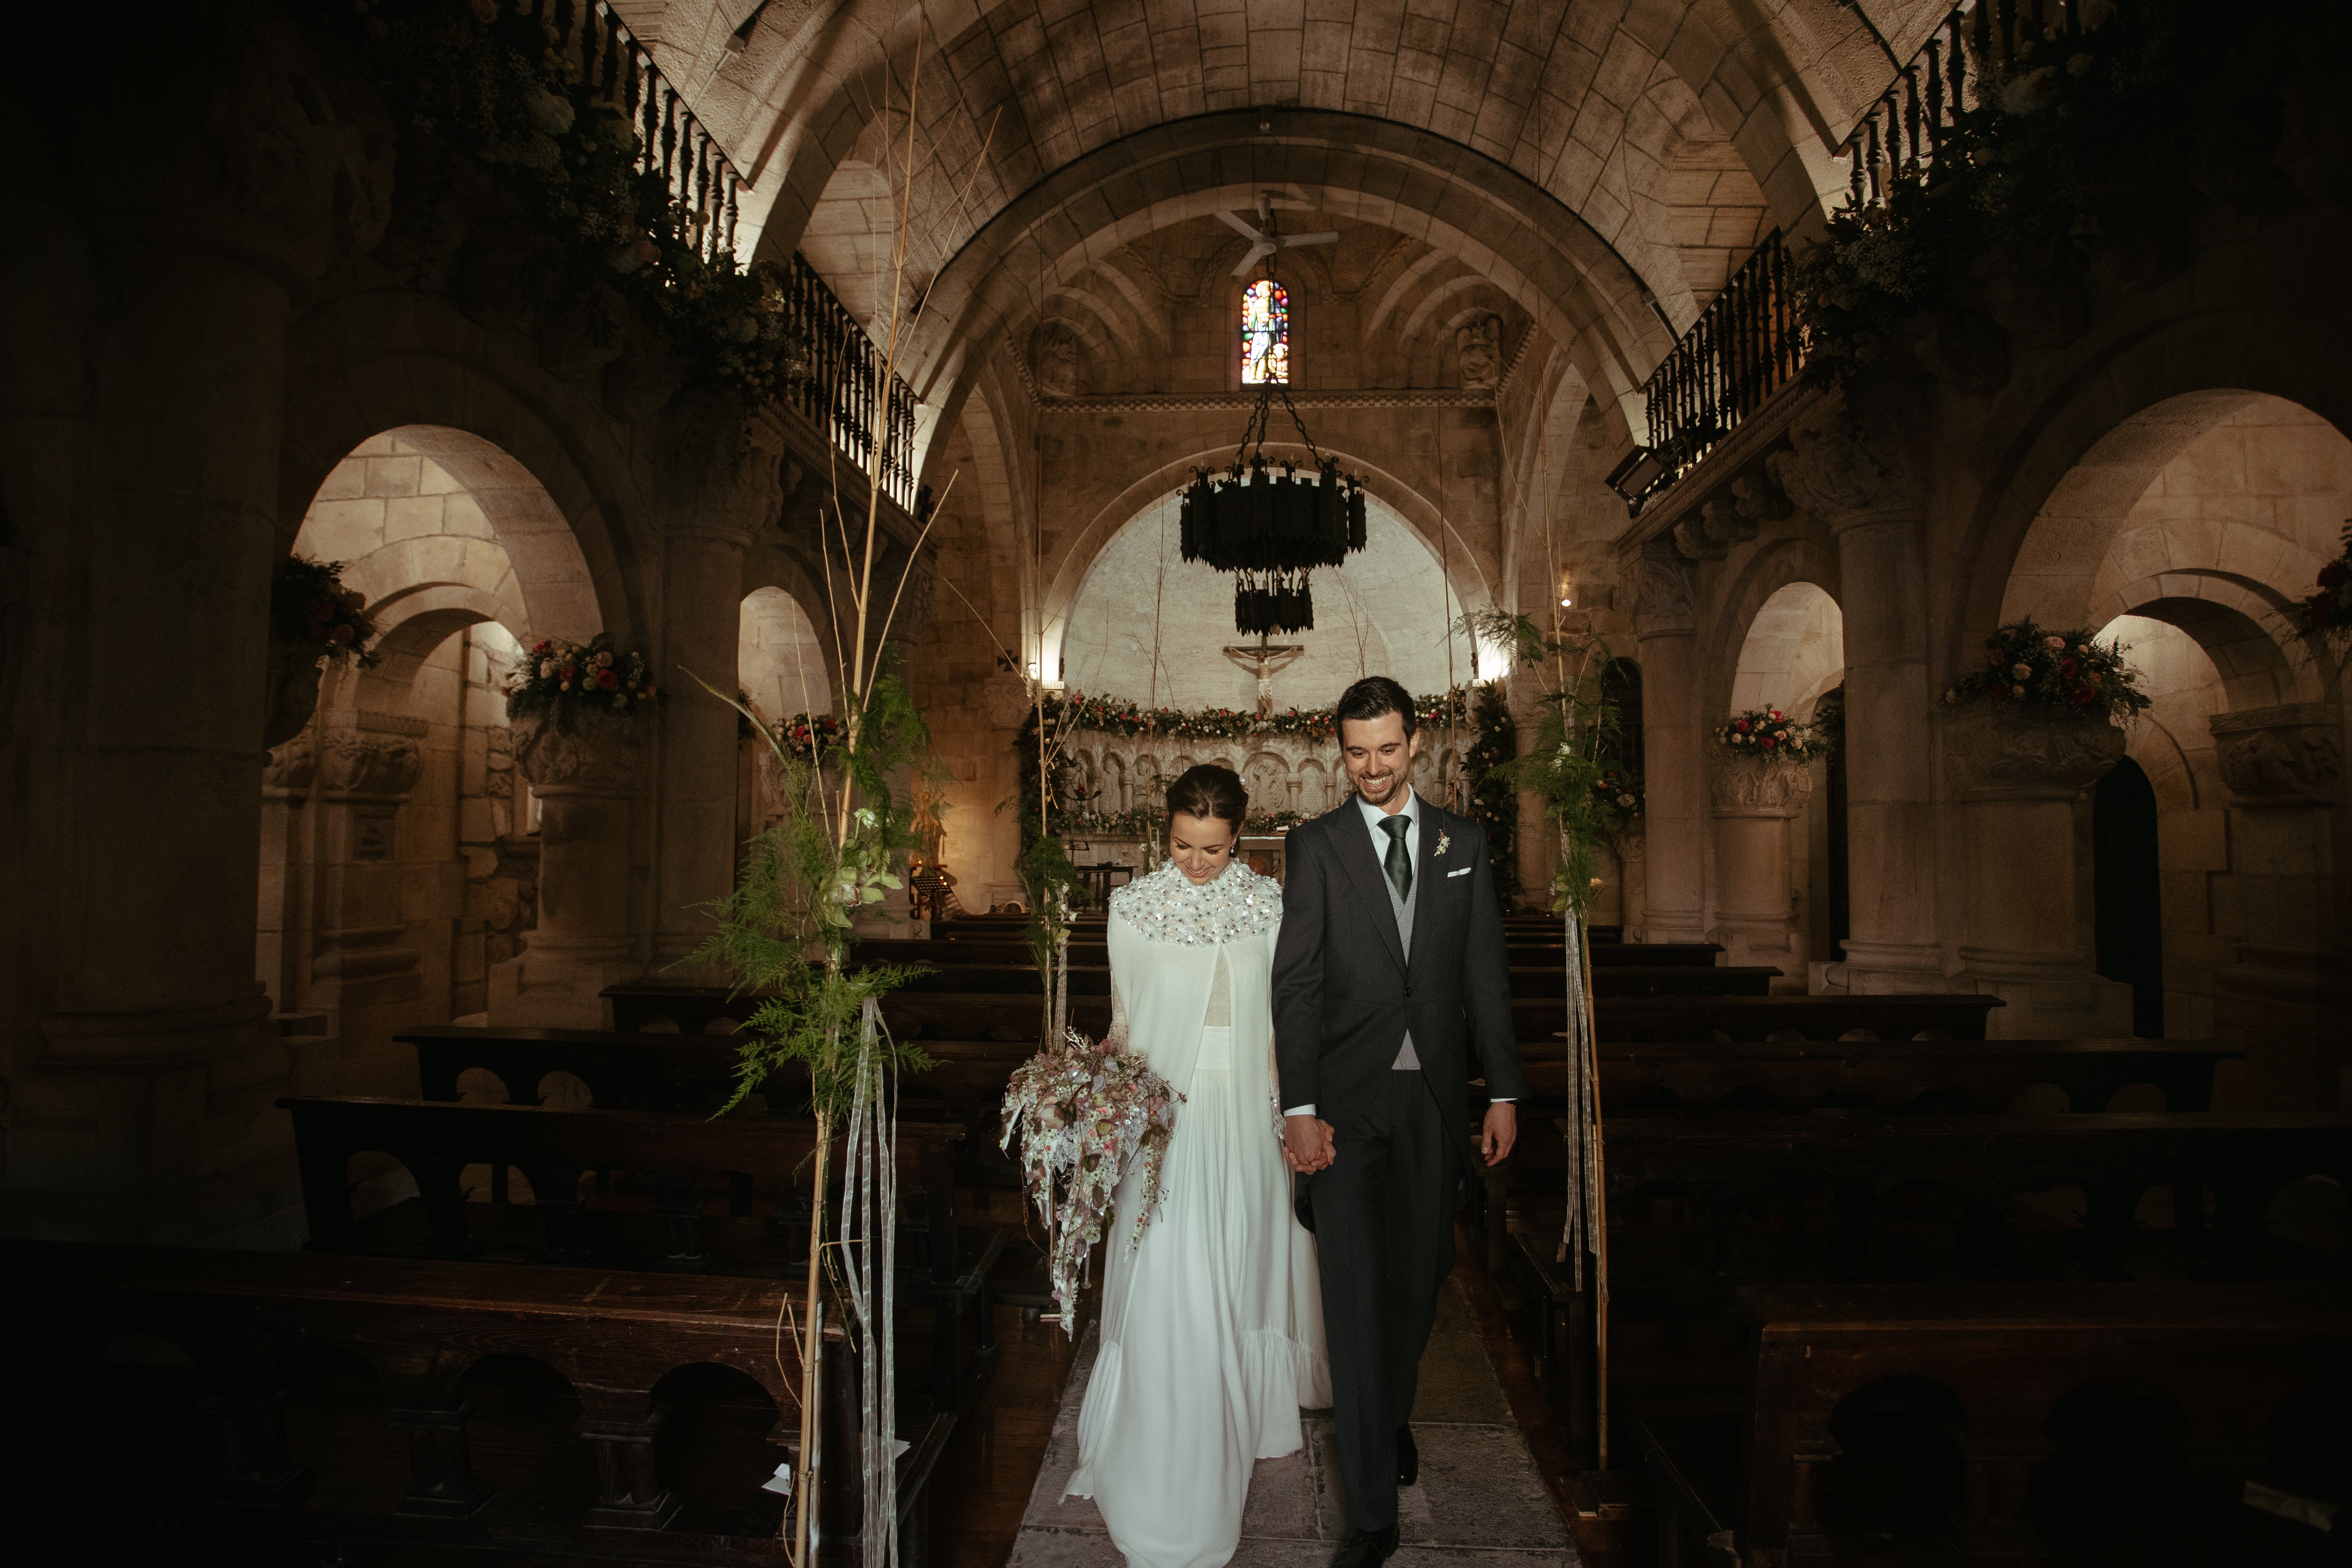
{"x":1213,"y":1326}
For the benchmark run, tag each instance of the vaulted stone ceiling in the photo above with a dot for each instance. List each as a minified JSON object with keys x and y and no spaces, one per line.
{"x":1597,"y":160}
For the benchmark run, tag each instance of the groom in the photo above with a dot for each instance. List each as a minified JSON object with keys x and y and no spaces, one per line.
{"x":1390,"y":971}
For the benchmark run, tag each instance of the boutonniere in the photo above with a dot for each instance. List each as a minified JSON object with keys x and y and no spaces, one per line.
{"x":1443,"y":841}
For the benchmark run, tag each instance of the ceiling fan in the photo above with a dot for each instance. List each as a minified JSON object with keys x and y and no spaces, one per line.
{"x":1264,"y":241}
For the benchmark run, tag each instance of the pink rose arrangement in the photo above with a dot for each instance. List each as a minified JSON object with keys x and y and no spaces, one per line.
{"x":1085,"y":1112}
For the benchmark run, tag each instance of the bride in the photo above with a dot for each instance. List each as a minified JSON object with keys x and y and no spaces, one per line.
{"x":1213,"y":1326}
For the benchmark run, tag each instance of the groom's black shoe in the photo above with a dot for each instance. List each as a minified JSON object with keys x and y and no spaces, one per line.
{"x":1408,"y":1458}
{"x":1366,"y":1548}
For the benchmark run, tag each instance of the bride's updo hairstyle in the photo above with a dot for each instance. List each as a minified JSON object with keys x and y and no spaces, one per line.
{"x":1209,"y":790}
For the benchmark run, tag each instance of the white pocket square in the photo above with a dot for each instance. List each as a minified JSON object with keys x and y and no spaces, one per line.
{"x":1463,"y":872}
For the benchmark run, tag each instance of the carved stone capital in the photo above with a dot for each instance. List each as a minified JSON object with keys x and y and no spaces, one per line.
{"x":1742,"y":786}
{"x":1663,"y":592}
{"x":594,"y":753}
{"x":718,"y":470}
{"x":1840,"y":468}
{"x":2292,"y":755}
{"x":368,"y":763}
{"x":291,"y":765}
{"x":2021,"y":754}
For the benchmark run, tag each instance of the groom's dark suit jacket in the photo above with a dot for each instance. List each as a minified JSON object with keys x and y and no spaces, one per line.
{"x":1344,"y":994}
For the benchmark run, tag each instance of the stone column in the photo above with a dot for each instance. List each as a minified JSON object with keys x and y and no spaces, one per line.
{"x":220,"y":185}
{"x":1754,"y":801}
{"x":360,"y":969}
{"x":587,"y":779}
{"x":2018,"y":774}
{"x":2284,"y":998}
{"x":717,"y":483}
{"x":1864,"y":491}
{"x":1672,"y":896}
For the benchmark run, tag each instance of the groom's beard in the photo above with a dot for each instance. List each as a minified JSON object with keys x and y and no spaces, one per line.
{"x":1379,"y":792}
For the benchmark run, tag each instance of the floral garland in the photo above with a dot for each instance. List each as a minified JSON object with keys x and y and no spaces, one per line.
{"x":2067,"y":672}
{"x":564,"y":678}
{"x":1149,"y":825}
{"x":311,"y":611}
{"x":484,"y":81}
{"x":1084,"y":1113}
{"x":1118,"y":716}
{"x":2327,"y":610}
{"x":1768,"y":735}
{"x":2073,"y":170}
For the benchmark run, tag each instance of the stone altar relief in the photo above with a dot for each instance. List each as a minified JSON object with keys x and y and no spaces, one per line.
{"x":1150,"y":627}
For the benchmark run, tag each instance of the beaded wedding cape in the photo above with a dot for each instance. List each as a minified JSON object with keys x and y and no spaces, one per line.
{"x":1169,"y":906}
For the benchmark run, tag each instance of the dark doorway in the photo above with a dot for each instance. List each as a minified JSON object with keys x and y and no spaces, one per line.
{"x":1829,"y":716}
{"x":2127,"y":914}
{"x":1621,"y":686}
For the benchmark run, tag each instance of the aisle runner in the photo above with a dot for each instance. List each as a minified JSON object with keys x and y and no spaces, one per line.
{"x":1479,"y":1489}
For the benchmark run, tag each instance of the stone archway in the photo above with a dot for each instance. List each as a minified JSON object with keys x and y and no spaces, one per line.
{"x":1773,"y":840}
{"x":2187,"y":531}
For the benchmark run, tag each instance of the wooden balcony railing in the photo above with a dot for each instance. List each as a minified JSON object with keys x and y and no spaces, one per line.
{"x":1744,"y":347}
{"x":1747,"y":345}
{"x":843,"y":396}
{"x":671,"y":142}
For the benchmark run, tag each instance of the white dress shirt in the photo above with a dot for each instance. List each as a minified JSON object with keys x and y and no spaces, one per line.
{"x":1374,"y":817}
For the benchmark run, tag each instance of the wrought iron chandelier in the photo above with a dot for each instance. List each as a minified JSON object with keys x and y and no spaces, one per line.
{"x":1272,"y":530}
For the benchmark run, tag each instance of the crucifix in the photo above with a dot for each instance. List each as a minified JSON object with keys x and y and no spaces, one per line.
{"x":1265,"y":658}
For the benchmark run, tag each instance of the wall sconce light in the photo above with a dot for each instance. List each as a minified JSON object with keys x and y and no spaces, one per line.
{"x":1642,"y":471}
{"x":1566,"y":588}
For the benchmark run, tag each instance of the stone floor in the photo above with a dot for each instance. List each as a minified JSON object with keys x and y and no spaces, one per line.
{"x":1480,"y":1502}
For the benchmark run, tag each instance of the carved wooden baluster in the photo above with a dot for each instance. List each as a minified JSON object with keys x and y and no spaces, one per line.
{"x":630,"y":1494}
{"x":678,"y":1201}
{"x":563,"y":1217}
{"x":440,"y":1185}
{"x":246,"y":1408}
{"x":441,"y":1479}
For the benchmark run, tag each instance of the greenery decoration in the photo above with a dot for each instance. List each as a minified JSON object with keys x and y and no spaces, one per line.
{"x":1574,"y":750}
{"x":1118,"y":716}
{"x":2328,"y":609}
{"x":2069,"y":172}
{"x":311,"y":610}
{"x":1768,"y":735}
{"x":1495,"y":741}
{"x":2065,"y":673}
{"x":785,"y":930}
{"x":488,"y":84}
{"x":566,"y":679}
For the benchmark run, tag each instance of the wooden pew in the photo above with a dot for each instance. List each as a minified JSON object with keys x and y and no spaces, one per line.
{"x":1012,"y":1014}
{"x":1610,"y":982}
{"x":1756,"y":1198}
{"x":1887,"y":1018}
{"x":681,"y":1158}
{"x":1987,"y":1429}
{"x":1891,"y":1077}
{"x":241,"y":1401}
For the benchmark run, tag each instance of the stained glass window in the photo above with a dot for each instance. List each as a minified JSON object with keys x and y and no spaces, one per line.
{"x":1265,"y":334}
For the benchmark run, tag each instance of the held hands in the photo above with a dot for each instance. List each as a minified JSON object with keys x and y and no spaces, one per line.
{"x":1306,"y":1144}
{"x":1501,"y":1131}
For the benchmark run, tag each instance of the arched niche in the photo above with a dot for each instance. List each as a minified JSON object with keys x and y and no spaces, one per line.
{"x":1793,"y":653}
{"x":781,"y":661}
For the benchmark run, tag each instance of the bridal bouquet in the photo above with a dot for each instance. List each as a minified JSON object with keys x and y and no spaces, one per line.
{"x":1086,"y":1113}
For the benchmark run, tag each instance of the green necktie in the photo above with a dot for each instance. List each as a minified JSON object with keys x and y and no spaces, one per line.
{"x":1397,"y":862}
